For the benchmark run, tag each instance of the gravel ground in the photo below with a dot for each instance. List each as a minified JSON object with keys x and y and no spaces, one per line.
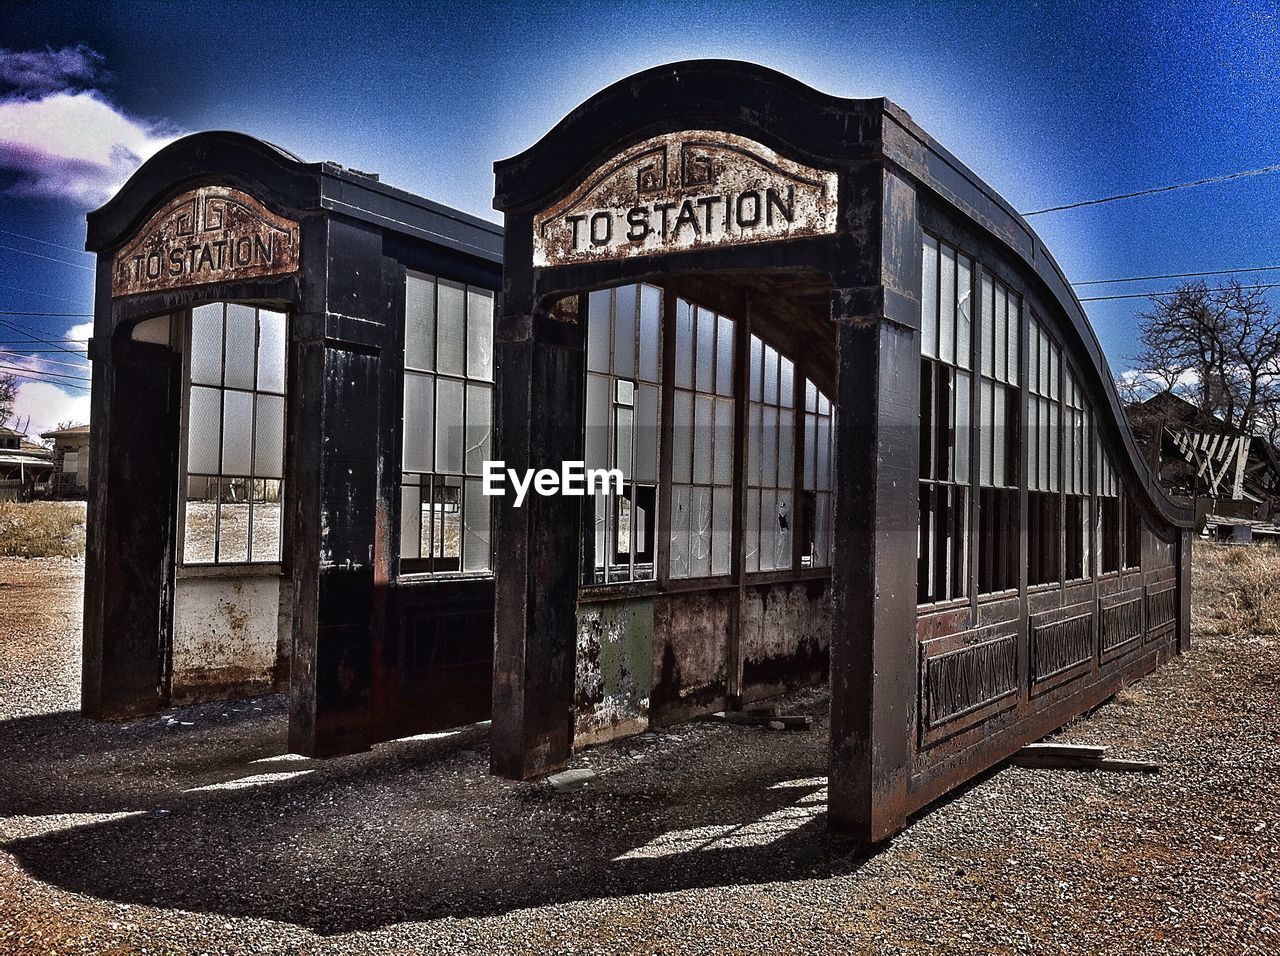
{"x":196,"y":832}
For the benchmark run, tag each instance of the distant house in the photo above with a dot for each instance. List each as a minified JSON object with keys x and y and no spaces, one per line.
{"x":70,"y":458}
{"x":25,"y":467}
{"x":1206,"y":464}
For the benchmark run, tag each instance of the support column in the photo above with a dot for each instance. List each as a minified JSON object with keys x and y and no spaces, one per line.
{"x":337,"y":494}
{"x":539,"y":420}
{"x":873,"y":640}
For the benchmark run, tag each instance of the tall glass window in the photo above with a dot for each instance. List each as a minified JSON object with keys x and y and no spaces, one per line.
{"x":770,"y":458}
{"x":998,"y":438}
{"x":1044,"y":476}
{"x":1076,"y":478}
{"x":702,"y":432}
{"x":624,"y":346}
{"x":945,"y":388}
{"x":819,"y":478}
{"x":234,"y":453}
{"x":1108,"y":510}
{"x":445,"y":517}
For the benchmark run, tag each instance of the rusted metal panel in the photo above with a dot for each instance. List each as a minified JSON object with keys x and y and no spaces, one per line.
{"x":968,"y":683}
{"x":614,"y":670}
{"x":206,"y":235}
{"x":785,"y":636}
{"x":687,"y":190}
{"x":225,"y":636}
{"x":1061,"y":643}
{"x":1120,"y":623}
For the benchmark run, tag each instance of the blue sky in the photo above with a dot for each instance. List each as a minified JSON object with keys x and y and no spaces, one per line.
{"x":1049,"y":102}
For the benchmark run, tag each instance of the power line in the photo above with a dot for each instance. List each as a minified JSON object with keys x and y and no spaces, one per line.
{"x":23,"y":373}
{"x":1158,"y":189}
{"x":69,"y":315}
{"x":36,"y":371}
{"x":1147,"y":295}
{"x":1178,"y":275}
{"x":65,"y":262}
{"x":82,"y":368}
{"x":21,"y":331}
{"x":44,"y":242}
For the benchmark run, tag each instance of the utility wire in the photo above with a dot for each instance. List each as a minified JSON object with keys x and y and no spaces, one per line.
{"x":21,"y":331}
{"x":69,"y":315}
{"x":1174,"y":275}
{"x":1147,"y":295}
{"x":36,"y":371}
{"x":65,"y":262}
{"x":1158,"y":189}
{"x":24,"y":373}
{"x":44,"y":242}
{"x":46,"y":361}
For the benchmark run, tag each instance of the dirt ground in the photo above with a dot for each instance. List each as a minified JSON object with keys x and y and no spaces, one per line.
{"x":195,"y":831}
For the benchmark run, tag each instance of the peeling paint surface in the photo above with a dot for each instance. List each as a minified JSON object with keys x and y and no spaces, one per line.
{"x":786,"y":633}
{"x":613,"y":675}
{"x":226,"y":636}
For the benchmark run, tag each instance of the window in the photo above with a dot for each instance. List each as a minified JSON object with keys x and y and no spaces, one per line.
{"x":70,"y":462}
{"x":624,"y":345}
{"x":1108,"y":510}
{"x":1076,"y":479}
{"x":1044,"y":518}
{"x":702,"y":435}
{"x":998,"y":438}
{"x":946,"y":300}
{"x":448,"y":426}
{"x":819,"y":478}
{"x":1132,"y":533}
{"x":234,"y":452}
{"x":770,"y":459}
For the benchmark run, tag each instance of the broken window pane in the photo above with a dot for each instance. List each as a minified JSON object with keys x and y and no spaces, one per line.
{"x":479,"y":426}
{"x":782,"y":532}
{"x":476,"y":536}
{"x":679,"y":558}
{"x":700,"y":532}
{"x":751,"y":531}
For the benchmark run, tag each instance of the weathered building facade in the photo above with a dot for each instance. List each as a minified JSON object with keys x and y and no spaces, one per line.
{"x":880,"y":439}
{"x":862,"y":428}
{"x":264,"y":345}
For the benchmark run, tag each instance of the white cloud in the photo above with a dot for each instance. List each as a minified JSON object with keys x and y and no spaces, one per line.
{"x":60,"y":138}
{"x":48,"y":406}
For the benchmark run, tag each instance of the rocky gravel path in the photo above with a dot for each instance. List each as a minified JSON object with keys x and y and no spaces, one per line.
{"x":198,"y":833}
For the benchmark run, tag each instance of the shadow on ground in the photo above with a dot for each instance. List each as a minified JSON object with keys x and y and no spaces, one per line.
{"x":212,"y":816}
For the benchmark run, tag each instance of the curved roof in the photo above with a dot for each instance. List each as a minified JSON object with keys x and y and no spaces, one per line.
{"x":813,"y":126}
{"x":288,"y":185}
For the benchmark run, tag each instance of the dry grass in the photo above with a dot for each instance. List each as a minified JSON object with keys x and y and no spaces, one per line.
{"x":1235,"y":588}
{"x":41,"y":529}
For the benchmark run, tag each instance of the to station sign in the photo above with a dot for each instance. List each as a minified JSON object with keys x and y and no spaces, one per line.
{"x":682,"y":191}
{"x":210,"y":234}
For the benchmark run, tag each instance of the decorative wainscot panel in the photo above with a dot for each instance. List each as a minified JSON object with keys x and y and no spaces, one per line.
{"x":1121,"y":623}
{"x":1162,"y":610}
{"x":1061,"y":645}
{"x":966,"y":679}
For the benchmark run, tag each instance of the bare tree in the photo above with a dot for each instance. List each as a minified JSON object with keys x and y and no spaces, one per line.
{"x":1217,"y":348}
{"x":8,"y":395}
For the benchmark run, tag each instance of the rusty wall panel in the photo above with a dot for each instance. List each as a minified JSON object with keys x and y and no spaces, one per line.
{"x":785,"y":636}
{"x":225,"y":637}
{"x":614,"y":669}
{"x":691,"y":654}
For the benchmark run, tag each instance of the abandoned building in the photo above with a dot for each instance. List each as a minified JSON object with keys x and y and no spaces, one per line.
{"x":864,"y":430}
{"x":1229,"y":479}
{"x":70,"y":456}
{"x":25,"y":467}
